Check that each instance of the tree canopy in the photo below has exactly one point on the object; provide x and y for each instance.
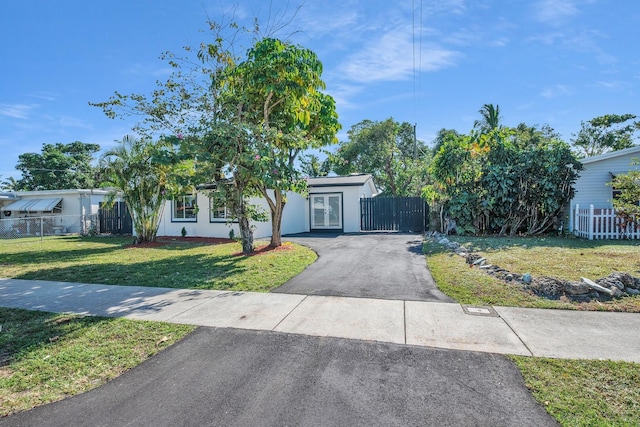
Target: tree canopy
(242, 121)
(517, 183)
(57, 167)
(389, 152)
(610, 132)
(134, 170)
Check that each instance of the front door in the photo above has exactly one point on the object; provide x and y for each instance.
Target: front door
(326, 211)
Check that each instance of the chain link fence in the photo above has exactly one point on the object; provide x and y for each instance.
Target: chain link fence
(52, 225)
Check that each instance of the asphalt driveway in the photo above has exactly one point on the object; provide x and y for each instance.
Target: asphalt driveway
(230, 377)
(366, 265)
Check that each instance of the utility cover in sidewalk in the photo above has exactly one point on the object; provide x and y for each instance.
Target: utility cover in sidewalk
(480, 311)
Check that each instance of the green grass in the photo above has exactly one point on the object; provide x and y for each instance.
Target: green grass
(46, 357)
(564, 258)
(109, 260)
(584, 393)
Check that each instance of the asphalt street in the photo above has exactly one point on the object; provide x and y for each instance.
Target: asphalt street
(367, 265)
(231, 377)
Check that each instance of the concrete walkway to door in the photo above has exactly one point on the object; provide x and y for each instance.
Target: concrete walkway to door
(387, 266)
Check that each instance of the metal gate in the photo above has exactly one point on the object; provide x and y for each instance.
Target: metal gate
(394, 214)
(116, 219)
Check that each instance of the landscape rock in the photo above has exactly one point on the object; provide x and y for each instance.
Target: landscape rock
(576, 288)
(619, 280)
(548, 287)
(593, 285)
(617, 293)
(472, 258)
(616, 285)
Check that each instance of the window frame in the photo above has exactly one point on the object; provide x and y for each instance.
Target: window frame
(185, 207)
(219, 220)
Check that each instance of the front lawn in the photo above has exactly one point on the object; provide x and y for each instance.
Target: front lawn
(563, 258)
(46, 357)
(175, 264)
(584, 392)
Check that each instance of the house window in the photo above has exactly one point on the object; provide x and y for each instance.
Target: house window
(184, 208)
(219, 213)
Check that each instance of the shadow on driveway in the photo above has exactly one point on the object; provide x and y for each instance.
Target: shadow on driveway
(365, 265)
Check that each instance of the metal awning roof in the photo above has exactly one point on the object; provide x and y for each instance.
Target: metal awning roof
(33, 205)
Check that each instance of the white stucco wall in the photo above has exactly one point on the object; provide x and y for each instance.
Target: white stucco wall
(293, 220)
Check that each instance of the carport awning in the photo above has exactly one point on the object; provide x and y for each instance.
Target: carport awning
(33, 205)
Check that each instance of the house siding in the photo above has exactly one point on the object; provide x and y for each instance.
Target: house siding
(591, 187)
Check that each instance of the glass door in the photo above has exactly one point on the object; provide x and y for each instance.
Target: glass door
(326, 211)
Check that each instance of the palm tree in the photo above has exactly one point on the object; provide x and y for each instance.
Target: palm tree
(490, 119)
(139, 180)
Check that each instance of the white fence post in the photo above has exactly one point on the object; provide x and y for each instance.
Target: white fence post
(591, 225)
(576, 221)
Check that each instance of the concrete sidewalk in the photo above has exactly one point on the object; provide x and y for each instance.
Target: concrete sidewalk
(505, 330)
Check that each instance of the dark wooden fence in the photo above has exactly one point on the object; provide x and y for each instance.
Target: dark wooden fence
(116, 219)
(394, 214)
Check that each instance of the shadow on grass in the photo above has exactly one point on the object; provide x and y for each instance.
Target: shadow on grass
(46, 251)
(26, 331)
(200, 271)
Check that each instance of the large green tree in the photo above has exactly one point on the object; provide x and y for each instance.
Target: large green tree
(389, 152)
(242, 120)
(58, 167)
(280, 87)
(518, 181)
(135, 169)
(606, 133)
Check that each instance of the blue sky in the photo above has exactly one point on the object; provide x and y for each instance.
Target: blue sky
(431, 62)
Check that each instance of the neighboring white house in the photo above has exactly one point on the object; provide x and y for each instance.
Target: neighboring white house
(62, 211)
(333, 204)
(591, 187)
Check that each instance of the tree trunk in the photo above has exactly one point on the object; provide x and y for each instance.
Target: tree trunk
(246, 234)
(276, 219)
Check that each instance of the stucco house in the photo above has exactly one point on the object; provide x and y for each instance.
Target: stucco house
(332, 204)
(594, 196)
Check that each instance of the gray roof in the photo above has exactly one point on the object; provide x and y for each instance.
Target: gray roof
(342, 181)
(611, 154)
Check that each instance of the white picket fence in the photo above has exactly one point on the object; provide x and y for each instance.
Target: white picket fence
(601, 223)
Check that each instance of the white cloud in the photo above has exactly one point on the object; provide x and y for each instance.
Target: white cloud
(555, 91)
(554, 12)
(45, 96)
(68, 121)
(390, 58)
(17, 111)
(457, 7)
(613, 85)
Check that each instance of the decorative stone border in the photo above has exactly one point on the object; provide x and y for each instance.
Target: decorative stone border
(615, 285)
